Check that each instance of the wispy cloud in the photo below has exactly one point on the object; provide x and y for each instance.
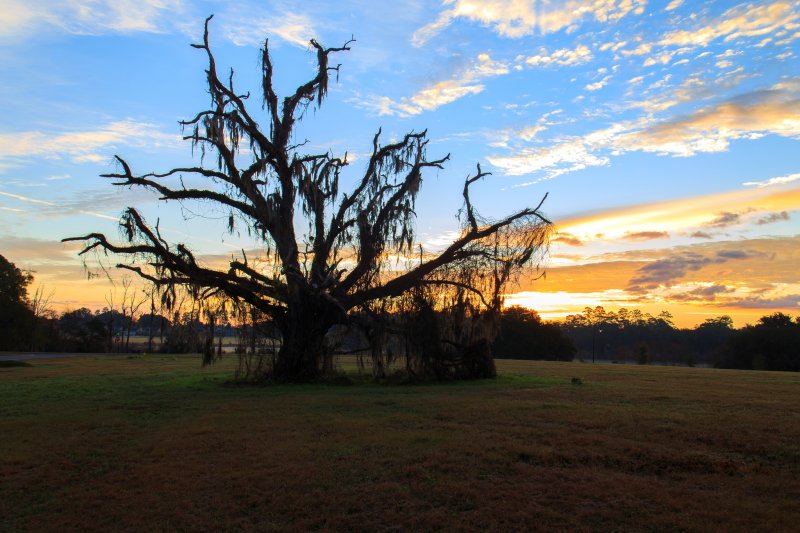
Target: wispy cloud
(502, 138)
(749, 116)
(773, 217)
(781, 180)
(702, 292)
(596, 86)
(438, 94)
(773, 111)
(516, 18)
(645, 235)
(726, 219)
(670, 269)
(556, 160)
(683, 215)
(55, 209)
(562, 157)
(565, 237)
(250, 29)
(744, 20)
(25, 198)
(85, 146)
(560, 57)
(244, 25)
(467, 81)
(81, 17)
(675, 4)
(790, 301)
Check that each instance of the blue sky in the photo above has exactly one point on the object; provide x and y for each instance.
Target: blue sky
(666, 133)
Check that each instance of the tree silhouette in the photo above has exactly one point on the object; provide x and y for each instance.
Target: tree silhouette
(523, 335)
(16, 317)
(345, 262)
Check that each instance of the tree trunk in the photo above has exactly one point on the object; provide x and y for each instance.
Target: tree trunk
(150, 333)
(208, 349)
(128, 334)
(303, 355)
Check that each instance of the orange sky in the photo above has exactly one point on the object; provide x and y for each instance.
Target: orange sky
(637, 256)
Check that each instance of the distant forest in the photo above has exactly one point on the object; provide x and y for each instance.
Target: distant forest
(627, 336)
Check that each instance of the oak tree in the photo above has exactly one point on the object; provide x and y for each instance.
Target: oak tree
(354, 258)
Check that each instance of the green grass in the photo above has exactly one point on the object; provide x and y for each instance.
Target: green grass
(108, 443)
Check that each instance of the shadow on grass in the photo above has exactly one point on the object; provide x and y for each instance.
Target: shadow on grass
(11, 364)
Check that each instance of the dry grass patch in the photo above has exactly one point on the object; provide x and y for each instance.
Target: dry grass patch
(158, 444)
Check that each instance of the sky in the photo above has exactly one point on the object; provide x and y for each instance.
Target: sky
(666, 134)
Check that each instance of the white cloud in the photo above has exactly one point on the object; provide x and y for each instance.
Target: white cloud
(675, 4)
(781, 180)
(712, 129)
(598, 84)
(568, 156)
(242, 25)
(83, 146)
(52, 208)
(775, 111)
(662, 58)
(467, 82)
(440, 93)
(24, 198)
(563, 57)
(642, 49)
(528, 133)
(251, 30)
(86, 17)
(745, 20)
(690, 89)
(516, 18)
(612, 46)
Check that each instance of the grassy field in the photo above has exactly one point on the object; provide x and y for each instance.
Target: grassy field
(159, 444)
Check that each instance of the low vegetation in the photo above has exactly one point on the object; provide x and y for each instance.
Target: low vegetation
(153, 443)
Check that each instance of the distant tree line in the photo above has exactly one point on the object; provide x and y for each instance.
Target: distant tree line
(633, 336)
(26, 324)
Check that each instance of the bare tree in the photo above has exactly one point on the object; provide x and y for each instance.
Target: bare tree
(358, 251)
(110, 320)
(151, 294)
(132, 300)
(40, 302)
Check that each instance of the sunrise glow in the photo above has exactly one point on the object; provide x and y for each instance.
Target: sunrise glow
(666, 134)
